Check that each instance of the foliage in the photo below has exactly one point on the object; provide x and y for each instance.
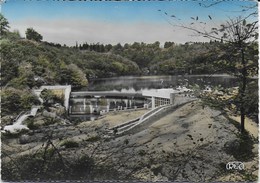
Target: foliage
(15, 101)
(70, 144)
(73, 75)
(13, 36)
(102, 102)
(251, 98)
(48, 97)
(31, 125)
(27, 64)
(4, 24)
(31, 34)
(236, 35)
(141, 152)
(36, 167)
(50, 121)
(9, 135)
(93, 139)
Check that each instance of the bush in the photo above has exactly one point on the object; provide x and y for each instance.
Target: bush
(34, 167)
(70, 144)
(93, 139)
(50, 121)
(82, 168)
(31, 125)
(142, 152)
(9, 135)
(15, 101)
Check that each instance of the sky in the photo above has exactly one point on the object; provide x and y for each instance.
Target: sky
(111, 22)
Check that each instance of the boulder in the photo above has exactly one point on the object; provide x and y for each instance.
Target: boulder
(49, 114)
(15, 128)
(24, 139)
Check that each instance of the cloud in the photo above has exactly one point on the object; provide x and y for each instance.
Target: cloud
(68, 31)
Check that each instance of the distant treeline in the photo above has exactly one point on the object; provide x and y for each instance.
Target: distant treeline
(52, 63)
(29, 62)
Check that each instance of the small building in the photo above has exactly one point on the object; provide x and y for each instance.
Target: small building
(160, 96)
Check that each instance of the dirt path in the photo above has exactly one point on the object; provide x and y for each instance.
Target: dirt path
(250, 125)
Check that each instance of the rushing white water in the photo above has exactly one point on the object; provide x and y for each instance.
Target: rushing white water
(34, 111)
(18, 126)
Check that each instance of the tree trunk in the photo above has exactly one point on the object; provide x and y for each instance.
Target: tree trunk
(242, 118)
(243, 90)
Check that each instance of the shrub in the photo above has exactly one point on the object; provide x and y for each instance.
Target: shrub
(31, 125)
(14, 135)
(70, 144)
(50, 121)
(93, 139)
(14, 101)
(142, 152)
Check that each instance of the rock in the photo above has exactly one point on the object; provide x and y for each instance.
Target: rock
(24, 139)
(39, 122)
(49, 114)
(218, 93)
(15, 128)
(255, 149)
(60, 110)
(255, 173)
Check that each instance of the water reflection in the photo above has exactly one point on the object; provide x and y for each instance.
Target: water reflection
(157, 82)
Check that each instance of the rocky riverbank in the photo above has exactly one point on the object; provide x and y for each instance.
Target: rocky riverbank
(191, 143)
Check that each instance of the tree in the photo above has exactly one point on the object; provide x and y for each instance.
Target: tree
(25, 76)
(13, 101)
(237, 37)
(73, 75)
(4, 24)
(31, 34)
(118, 48)
(108, 47)
(168, 44)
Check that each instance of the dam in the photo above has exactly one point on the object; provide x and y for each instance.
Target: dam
(100, 102)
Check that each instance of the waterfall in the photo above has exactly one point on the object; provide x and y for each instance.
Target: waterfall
(17, 126)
